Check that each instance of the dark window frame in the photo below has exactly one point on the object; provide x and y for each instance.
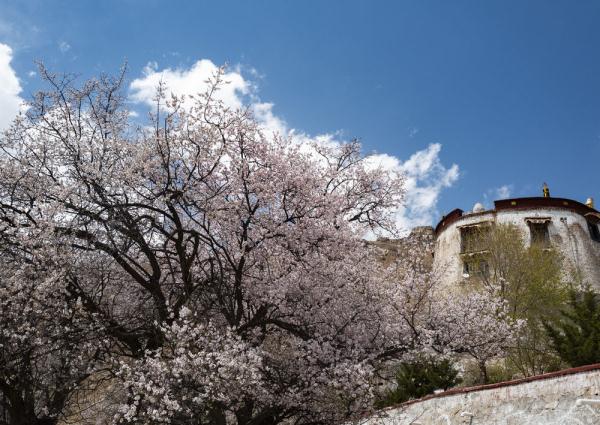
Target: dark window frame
(476, 267)
(473, 238)
(594, 231)
(539, 234)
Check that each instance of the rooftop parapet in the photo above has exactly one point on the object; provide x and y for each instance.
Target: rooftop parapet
(586, 211)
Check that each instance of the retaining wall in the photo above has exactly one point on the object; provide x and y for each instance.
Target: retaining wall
(570, 396)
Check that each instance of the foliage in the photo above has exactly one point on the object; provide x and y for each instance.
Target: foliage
(529, 279)
(217, 273)
(418, 378)
(497, 370)
(576, 335)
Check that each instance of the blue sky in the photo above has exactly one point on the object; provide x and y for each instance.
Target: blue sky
(508, 91)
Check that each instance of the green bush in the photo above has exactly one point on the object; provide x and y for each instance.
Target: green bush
(418, 378)
(576, 335)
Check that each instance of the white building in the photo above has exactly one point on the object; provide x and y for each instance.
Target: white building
(563, 224)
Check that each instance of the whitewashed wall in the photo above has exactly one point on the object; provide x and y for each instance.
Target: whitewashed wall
(568, 399)
(568, 233)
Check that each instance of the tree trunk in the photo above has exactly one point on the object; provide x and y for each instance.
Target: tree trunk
(217, 416)
(483, 375)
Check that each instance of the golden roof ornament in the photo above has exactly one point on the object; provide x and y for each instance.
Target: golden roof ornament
(590, 202)
(546, 190)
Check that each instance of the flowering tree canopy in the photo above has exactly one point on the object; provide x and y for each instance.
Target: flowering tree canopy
(217, 272)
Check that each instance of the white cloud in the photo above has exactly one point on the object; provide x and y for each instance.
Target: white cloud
(10, 88)
(263, 112)
(64, 47)
(425, 174)
(504, 192)
(190, 81)
(426, 177)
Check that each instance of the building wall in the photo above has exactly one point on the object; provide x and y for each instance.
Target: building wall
(567, 229)
(573, 398)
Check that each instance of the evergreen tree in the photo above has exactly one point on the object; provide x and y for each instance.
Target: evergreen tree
(576, 336)
(418, 378)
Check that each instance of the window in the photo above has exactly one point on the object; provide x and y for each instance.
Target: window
(539, 233)
(594, 231)
(475, 267)
(474, 238)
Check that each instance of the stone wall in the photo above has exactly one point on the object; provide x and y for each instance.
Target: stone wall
(571, 396)
(389, 250)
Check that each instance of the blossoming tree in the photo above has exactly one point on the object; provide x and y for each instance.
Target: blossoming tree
(218, 273)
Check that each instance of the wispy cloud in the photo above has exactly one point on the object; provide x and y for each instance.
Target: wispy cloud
(426, 176)
(64, 47)
(17, 29)
(502, 192)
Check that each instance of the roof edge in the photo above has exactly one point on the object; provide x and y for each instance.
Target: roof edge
(519, 204)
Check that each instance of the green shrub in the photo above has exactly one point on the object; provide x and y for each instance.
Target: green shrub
(576, 335)
(418, 378)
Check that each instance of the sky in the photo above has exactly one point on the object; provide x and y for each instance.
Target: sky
(473, 101)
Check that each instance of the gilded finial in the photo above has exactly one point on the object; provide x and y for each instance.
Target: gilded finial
(546, 190)
(590, 202)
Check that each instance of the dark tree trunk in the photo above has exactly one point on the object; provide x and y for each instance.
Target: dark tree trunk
(483, 375)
